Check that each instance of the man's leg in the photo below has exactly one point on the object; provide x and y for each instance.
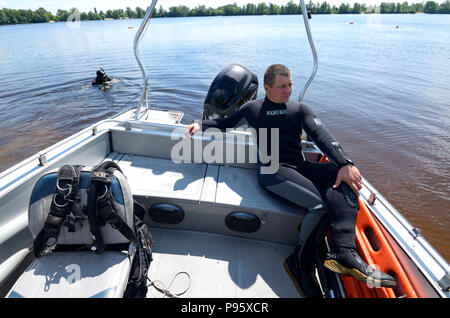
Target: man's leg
(341, 203)
(342, 206)
(308, 182)
(290, 185)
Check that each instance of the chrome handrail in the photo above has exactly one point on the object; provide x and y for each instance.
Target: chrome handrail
(137, 37)
(313, 49)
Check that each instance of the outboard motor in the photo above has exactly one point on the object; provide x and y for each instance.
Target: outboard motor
(233, 86)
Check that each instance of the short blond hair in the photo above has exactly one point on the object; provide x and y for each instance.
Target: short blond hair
(274, 70)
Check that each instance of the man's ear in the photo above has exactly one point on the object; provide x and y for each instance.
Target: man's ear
(266, 87)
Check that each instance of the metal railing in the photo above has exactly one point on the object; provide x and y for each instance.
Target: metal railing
(139, 33)
(313, 49)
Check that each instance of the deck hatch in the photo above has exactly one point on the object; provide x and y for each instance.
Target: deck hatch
(245, 222)
(166, 213)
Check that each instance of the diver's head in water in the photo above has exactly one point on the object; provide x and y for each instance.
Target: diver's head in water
(101, 77)
(100, 73)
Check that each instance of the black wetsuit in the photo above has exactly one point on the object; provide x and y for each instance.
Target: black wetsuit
(308, 184)
(101, 79)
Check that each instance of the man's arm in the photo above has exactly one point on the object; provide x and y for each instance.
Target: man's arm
(332, 149)
(221, 123)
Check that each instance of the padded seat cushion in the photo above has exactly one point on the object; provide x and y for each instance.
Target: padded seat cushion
(75, 275)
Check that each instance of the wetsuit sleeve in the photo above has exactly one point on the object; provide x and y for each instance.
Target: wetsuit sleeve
(225, 122)
(323, 138)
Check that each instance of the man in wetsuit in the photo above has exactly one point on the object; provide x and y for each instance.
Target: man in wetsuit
(101, 77)
(309, 184)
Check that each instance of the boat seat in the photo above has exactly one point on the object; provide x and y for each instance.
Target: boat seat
(41, 199)
(76, 275)
(212, 192)
(71, 270)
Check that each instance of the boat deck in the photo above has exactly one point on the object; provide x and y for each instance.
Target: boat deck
(207, 194)
(218, 266)
(220, 262)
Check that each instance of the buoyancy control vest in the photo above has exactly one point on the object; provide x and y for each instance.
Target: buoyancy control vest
(100, 208)
(64, 209)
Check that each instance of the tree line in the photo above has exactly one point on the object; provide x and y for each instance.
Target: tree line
(12, 16)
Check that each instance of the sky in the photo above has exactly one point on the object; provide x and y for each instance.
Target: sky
(88, 5)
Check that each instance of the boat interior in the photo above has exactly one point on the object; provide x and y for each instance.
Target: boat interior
(216, 231)
(219, 261)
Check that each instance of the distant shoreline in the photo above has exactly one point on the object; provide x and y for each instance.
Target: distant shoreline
(112, 19)
(26, 16)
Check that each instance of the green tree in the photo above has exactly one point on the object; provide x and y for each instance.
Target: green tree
(356, 8)
(310, 6)
(274, 9)
(179, 11)
(430, 7)
(11, 16)
(418, 7)
(250, 9)
(324, 8)
(344, 8)
(404, 7)
(161, 13)
(444, 8)
(24, 16)
(140, 13)
(3, 18)
(292, 8)
(62, 15)
(262, 8)
(130, 13)
(41, 15)
(93, 16)
(102, 15)
(118, 13)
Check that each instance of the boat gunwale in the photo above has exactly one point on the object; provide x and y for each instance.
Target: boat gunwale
(414, 245)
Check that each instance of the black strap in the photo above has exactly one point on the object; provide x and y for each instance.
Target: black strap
(101, 206)
(64, 197)
(108, 213)
(109, 164)
(97, 241)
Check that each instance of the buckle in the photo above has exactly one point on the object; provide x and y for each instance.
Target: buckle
(67, 190)
(100, 176)
(60, 206)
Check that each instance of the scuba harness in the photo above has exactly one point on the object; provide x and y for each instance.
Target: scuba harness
(74, 206)
(101, 206)
(102, 209)
(66, 208)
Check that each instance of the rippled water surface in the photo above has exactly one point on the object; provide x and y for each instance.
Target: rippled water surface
(384, 92)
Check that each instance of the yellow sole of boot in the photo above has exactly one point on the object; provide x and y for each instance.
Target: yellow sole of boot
(334, 266)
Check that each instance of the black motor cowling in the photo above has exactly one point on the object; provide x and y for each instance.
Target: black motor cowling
(233, 86)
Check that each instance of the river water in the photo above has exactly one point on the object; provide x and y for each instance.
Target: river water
(383, 91)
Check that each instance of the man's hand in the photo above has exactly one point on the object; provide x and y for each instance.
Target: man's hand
(191, 130)
(350, 175)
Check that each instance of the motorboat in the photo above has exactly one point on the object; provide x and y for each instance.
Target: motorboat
(216, 231)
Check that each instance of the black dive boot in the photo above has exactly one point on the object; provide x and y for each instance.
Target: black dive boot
(346, 261)
(302, 277)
